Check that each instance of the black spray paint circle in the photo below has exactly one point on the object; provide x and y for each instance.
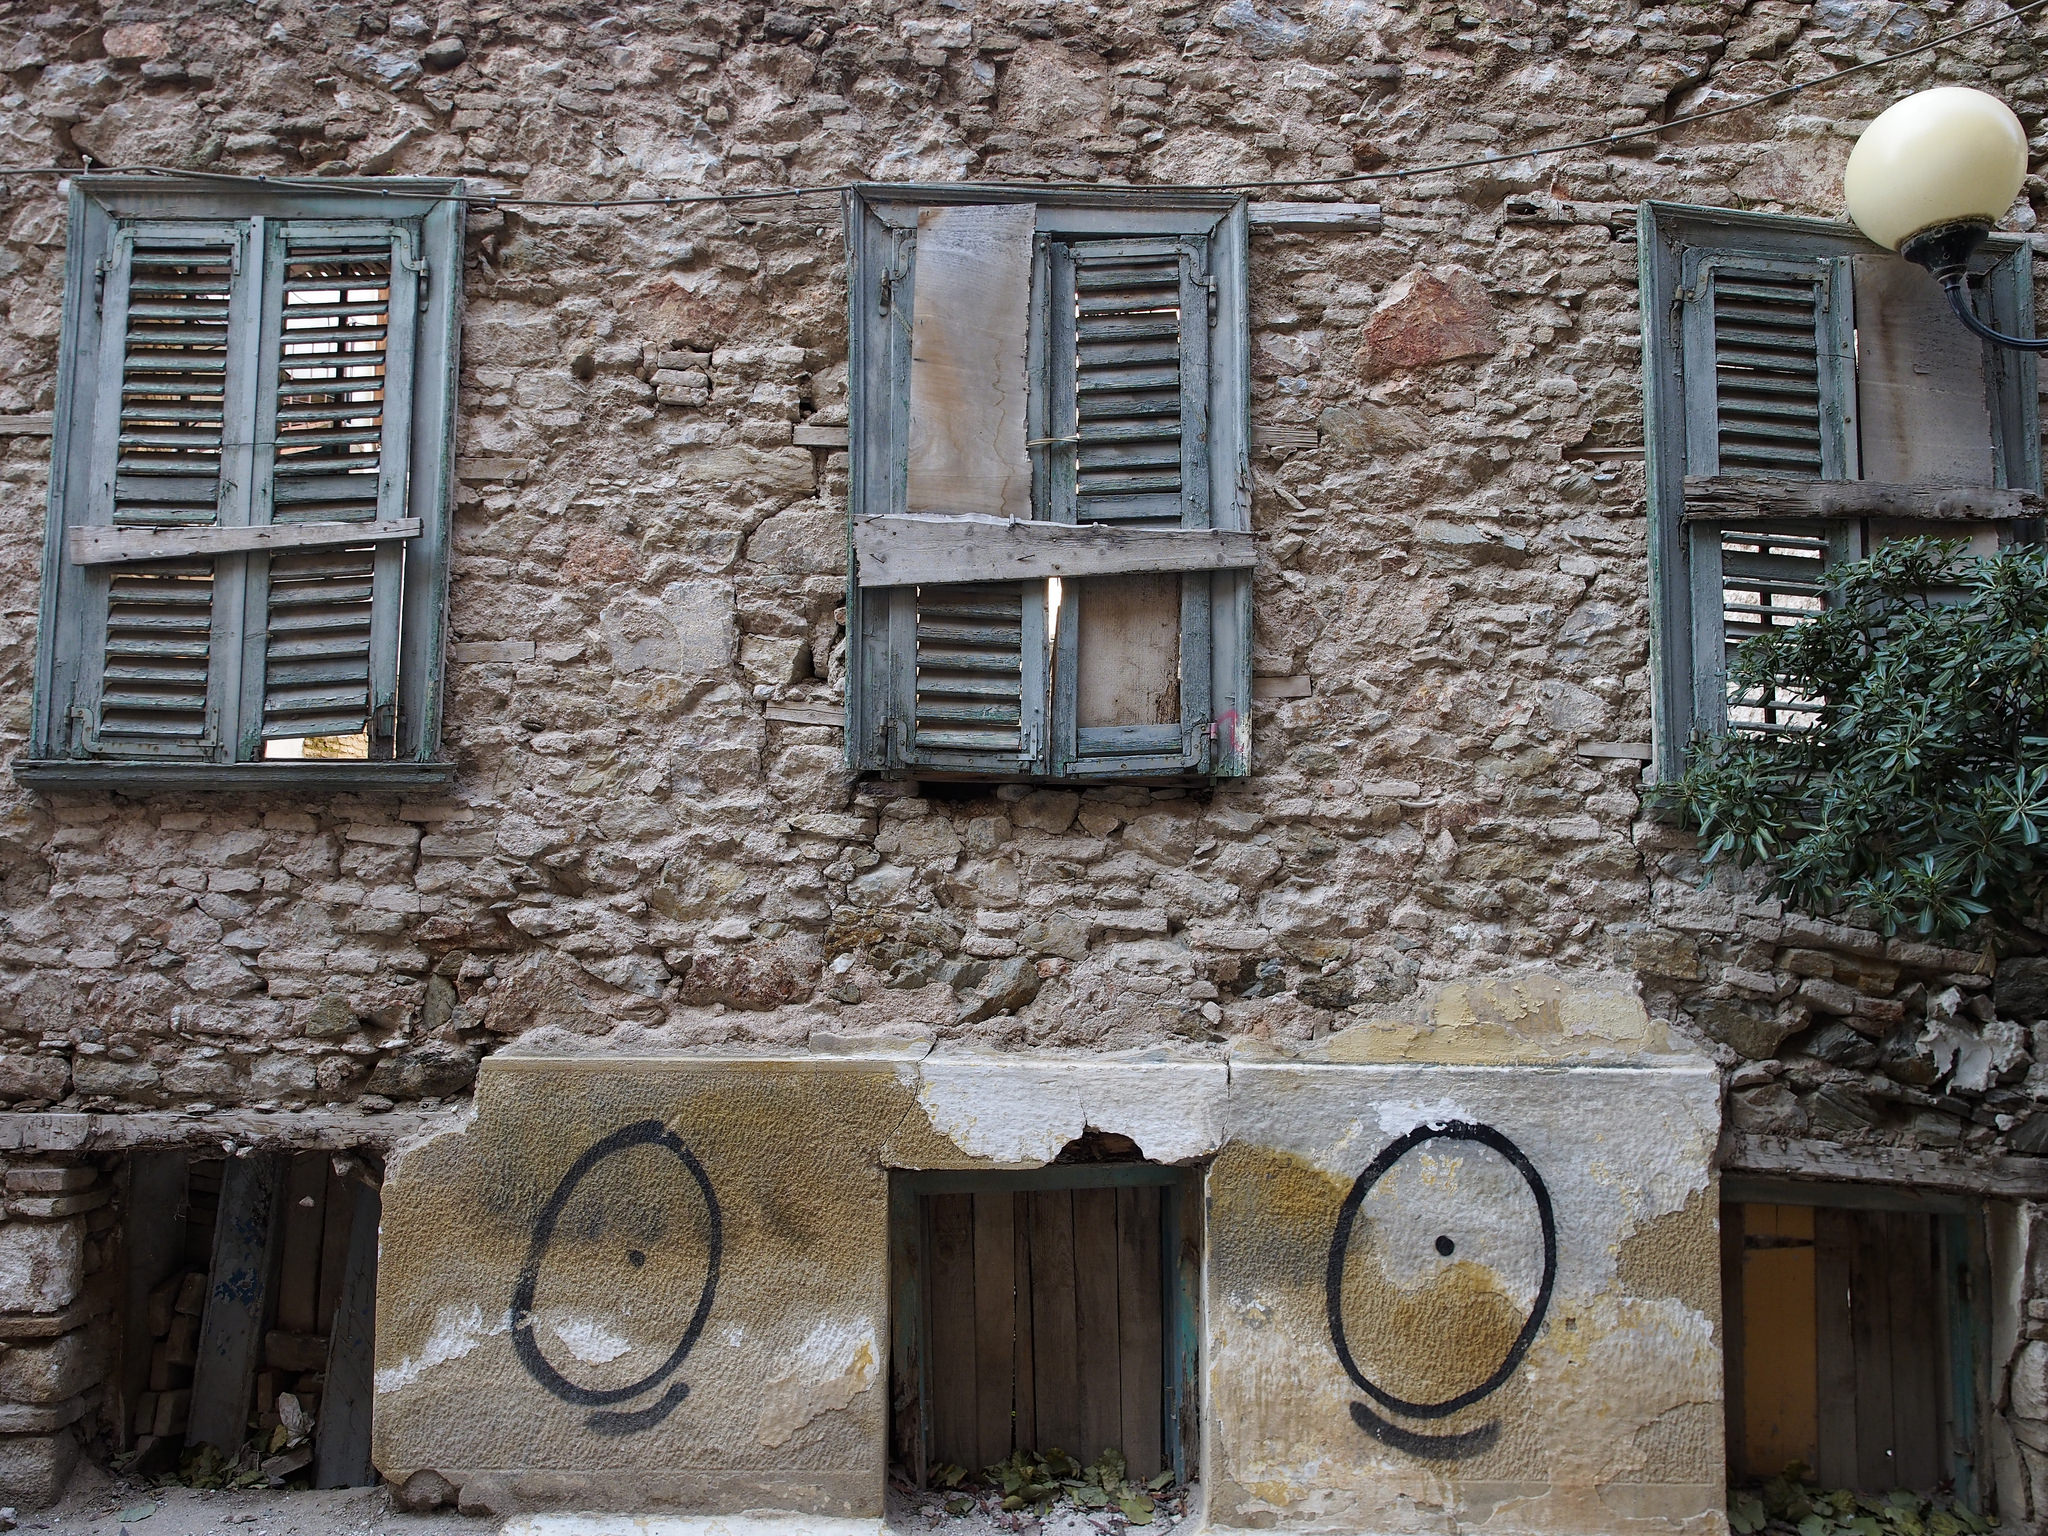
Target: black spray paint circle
(1340, 1247)
(644, 1133)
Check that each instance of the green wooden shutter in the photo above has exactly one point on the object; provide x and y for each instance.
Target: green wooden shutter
(1132, 369)
(1126, 390)
(334, 413)
(178, 309)
(1768, 354)
(969, 659)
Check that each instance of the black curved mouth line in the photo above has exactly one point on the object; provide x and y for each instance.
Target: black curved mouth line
(1471, 1442)
(616, 1421)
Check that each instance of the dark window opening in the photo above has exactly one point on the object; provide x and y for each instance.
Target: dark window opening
(1047, 1309)
(250, 1305)
(1854, 1345)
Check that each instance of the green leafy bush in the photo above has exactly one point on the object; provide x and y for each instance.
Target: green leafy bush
(1920, 791)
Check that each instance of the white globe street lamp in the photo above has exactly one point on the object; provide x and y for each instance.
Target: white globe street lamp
(1928, 179)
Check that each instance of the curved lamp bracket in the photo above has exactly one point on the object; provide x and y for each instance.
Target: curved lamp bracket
(1945, 252)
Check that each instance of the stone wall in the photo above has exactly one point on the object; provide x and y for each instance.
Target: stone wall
(651, 844)
(650, 837)
(59, 1288)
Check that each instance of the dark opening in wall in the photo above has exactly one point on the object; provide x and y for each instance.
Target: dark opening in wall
(250, 1301)
(1855, 1337)
(1051, 1308)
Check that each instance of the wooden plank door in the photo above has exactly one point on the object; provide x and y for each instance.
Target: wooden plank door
(1844, 1323)
(1043, 1326)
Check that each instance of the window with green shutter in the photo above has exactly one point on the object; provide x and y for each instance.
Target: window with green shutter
(1051, 570)
(245, 569)
(1807, 394)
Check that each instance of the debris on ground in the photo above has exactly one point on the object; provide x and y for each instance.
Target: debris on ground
(1047, 1492)
(1788, 1505)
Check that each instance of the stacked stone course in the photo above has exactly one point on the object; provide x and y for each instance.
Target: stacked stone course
(58, 1247)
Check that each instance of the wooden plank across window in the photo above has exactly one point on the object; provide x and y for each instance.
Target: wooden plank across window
(114, 546)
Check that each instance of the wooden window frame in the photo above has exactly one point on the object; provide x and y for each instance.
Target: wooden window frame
(881, 222)
(1674, 242)
(101, 208)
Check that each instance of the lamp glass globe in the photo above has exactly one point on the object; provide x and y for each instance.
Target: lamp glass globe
(1944, 156)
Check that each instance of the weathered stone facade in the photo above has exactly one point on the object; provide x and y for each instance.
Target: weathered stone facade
(650, 844)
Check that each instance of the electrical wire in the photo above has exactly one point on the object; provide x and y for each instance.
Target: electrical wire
(766, 194)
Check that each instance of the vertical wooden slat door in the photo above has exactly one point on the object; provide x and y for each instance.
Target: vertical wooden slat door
(1045, 1319)
(1844, 1319)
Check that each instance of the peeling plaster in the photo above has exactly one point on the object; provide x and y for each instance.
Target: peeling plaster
(834, 1365)
(1022, 1114)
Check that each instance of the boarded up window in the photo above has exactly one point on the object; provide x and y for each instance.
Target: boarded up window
(1034, 1315)
(1051, 556)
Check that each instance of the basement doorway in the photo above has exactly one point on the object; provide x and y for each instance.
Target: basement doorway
(1049, 1308)
(1856, 1337)
(248, 1318)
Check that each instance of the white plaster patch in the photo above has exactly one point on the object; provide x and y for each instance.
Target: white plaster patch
(1023, 1115)
(456, 1331)
(588, 1339)
(837, 1361)
(1398, 1117)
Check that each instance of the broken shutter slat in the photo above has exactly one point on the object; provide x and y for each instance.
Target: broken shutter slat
(117, 546)
(903, 550)
(968, 378)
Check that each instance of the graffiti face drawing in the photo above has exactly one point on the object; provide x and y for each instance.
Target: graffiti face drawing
(636, 1219)
(1441, 1271)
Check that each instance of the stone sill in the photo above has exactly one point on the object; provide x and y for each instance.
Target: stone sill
(301, 775)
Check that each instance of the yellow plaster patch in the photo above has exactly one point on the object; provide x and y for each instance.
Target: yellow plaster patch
(1508, 1021)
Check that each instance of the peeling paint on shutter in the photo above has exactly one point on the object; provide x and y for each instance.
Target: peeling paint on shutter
(1769, 368)
(336, 398)
(1127, 333)
(970, 668)
(175, 314)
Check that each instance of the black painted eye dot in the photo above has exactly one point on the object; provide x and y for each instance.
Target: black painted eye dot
(636, 1258)
(1446, 1247)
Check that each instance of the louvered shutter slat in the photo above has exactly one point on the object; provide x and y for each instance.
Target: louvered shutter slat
(177, 306)
(1127, 379)
(1768, 362)
(338, 340)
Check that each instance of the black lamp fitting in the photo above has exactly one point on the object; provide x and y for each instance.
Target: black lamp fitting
(1945, 251)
